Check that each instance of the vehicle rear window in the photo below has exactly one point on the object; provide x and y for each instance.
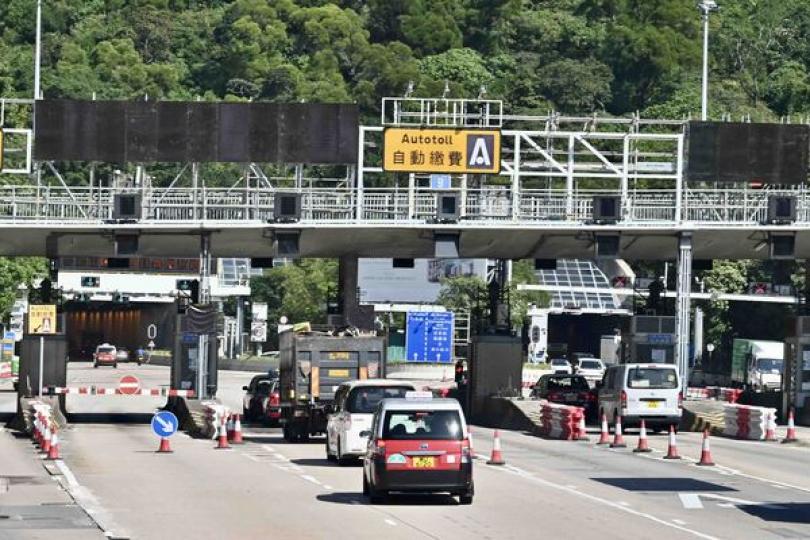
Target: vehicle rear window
(364, 400)
(420, 425)
(568, 383)
(559, 362)
(265, 387)
(105, 349)
(589, 364)
(655, 378)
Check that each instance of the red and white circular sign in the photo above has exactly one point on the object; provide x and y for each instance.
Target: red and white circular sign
(129, 384)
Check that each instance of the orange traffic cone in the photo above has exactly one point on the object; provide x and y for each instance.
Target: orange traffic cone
(237, 430)
(165, 447)
(496, 458)
(706, 451)
(38, 429)
(582, 433)
(672, 450)
(618, 439)
(53, 452)
(770, 429)
(222, 441)
(46, 439)
(790, 437)
(642, 439)
(604, 437)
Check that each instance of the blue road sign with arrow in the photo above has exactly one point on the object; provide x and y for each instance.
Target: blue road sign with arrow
(164, 424)
(429, 337)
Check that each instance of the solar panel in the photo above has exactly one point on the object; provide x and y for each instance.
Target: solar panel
(576, 273)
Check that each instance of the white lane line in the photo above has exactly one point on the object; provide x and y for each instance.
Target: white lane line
(391, 522)
(252, 458)
(326, 486)
(777, 486)
(679, 522)
(268, 448)
(528, 476)
(309, 478)
(690, 501)
(67, 473)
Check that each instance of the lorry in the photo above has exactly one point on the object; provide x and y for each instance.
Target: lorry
(312, 365)
(757, 364)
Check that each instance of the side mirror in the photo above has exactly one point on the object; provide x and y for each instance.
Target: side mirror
(244, 388)
(365, 433)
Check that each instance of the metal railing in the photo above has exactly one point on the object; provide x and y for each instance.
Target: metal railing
(490, 205)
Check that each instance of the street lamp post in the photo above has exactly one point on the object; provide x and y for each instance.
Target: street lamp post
(38, 51)
(705, 7)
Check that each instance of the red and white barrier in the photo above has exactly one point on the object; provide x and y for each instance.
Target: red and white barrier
(5, 370)
(215, 415)
(103, 391)
(747, 422)
(560, 421)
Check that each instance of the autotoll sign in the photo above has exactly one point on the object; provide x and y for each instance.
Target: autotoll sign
(442, 150)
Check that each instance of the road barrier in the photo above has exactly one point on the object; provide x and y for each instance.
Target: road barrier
(747, 422)
(719, 393)
(214, 417)
(106, 391)
(560, 421)
(44, 430)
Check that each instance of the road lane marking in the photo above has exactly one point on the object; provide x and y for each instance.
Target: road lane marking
(690, 501)
(528, 476)
(309, 478)
(330, 488)
(391, 522)
(679, 521)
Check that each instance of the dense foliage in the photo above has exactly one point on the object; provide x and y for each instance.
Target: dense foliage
(616, 56)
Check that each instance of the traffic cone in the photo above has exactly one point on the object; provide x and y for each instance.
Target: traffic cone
(672, 450)
(706, 451)
(496, 458)
(582, 431)
(229, 427)
(46, 439)
(35, 434)
(770, 430)
(642, 439)
(165, 447)
(618, 439)
(237, 430)
(222, 442)
(53, 452)
(604, 437)
(790, 437)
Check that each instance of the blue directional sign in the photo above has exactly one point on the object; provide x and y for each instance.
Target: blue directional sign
(440, 181)
(429, 337)
(164, 424)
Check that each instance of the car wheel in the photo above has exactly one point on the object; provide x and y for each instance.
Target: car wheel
(285, 432)
(376, 496)
(245, 413)
(115, 365)
(332, 458)
(365, 485)
(95, 366)
(465, 498)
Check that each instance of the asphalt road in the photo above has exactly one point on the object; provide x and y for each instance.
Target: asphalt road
(269, 488)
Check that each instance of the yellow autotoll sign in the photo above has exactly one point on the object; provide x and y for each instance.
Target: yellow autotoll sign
(442, 150)
(42, 319)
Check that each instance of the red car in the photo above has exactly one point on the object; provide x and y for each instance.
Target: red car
(105, 355)
(567, 390)
(262, 401)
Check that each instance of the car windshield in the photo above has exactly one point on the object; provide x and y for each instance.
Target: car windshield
(265, 387)
(568, 383)
(773, 365)
(106, 349)
(590, 364)
(364, 400)
(422, 425)
(655, 378)
(559, 362)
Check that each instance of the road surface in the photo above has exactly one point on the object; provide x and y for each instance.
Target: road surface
(268, 488)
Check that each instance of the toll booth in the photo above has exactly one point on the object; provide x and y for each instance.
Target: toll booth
(496, 368)
(649, 338)
(195, 358)
(796, 377)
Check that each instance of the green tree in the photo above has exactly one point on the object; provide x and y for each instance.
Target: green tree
(15, 272)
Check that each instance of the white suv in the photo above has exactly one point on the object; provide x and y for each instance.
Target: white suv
(560, 365)
(355, 403)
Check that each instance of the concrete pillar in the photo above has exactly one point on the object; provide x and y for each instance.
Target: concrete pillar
(352, 312)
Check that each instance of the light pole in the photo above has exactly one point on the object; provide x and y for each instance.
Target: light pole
(38, 51)
(705, 7)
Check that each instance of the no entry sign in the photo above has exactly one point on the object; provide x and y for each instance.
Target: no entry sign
(129, 384)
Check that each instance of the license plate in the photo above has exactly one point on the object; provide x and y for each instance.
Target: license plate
(338, 372)
(652, 404)
(423, 462)
(570, 397)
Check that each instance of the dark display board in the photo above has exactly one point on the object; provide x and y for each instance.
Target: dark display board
(732, 152)
(141, 131)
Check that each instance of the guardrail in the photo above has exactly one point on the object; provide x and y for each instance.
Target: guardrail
(491, 205)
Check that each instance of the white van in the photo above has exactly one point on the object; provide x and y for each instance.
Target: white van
(642, 391)
(355, 403)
